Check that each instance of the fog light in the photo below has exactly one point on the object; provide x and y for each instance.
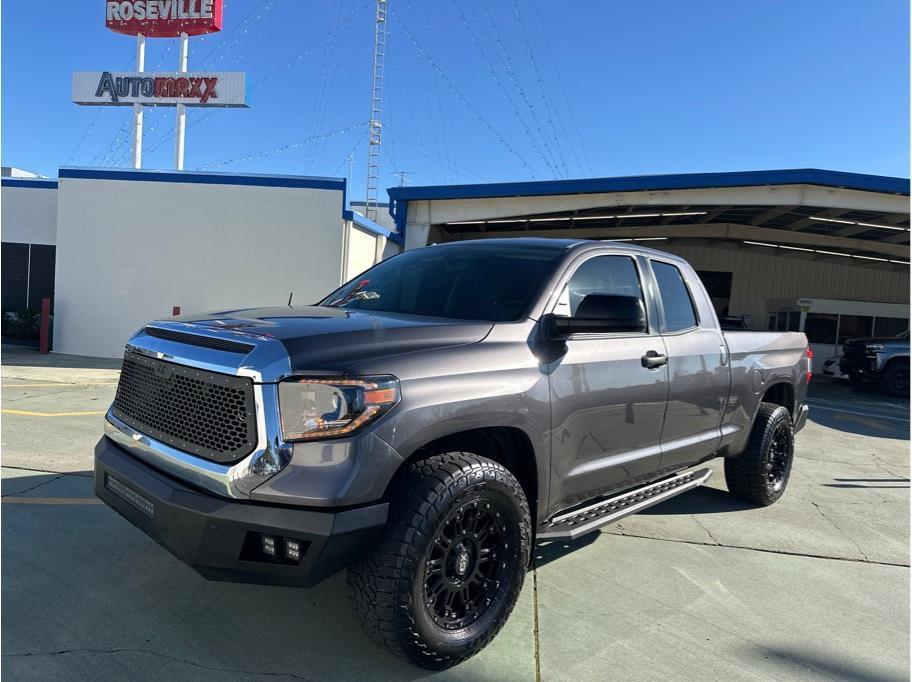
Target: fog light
(268, 545)
(292, 550)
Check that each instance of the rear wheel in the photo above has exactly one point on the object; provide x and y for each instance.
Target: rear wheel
(447, 573)
(895, 380)
(761, 473)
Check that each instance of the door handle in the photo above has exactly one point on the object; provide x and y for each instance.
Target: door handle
(652, 359)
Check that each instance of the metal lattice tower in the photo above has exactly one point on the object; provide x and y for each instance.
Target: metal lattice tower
(376, 126)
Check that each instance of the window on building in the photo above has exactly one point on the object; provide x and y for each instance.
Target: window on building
(890, 326)
(14, 266)
(820, 327)
(676, 302)
(853, 326)
(41, 275)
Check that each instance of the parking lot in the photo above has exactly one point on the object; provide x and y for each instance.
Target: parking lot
(701, 587)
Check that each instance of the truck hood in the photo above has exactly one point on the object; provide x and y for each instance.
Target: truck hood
(878, 339)
(322, 338)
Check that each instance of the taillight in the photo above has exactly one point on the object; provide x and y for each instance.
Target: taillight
(810, 358)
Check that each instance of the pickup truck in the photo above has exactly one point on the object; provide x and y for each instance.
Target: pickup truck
(883, 361)
(428, 422)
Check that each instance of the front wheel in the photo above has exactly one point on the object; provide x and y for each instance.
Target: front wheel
(446, 575)
(761, 473)
(895, 380)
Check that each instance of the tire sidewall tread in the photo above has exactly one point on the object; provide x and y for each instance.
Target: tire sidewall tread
(382, 584)
(745, 475)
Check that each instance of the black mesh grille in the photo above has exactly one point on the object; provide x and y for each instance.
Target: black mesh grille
(204, 341)
(203, 413)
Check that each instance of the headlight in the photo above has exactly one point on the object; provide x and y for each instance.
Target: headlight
(322, 408)
(874, 347)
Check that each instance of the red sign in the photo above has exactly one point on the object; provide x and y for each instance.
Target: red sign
(164, 18)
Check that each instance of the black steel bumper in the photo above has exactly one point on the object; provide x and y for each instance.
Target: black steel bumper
(220, 537)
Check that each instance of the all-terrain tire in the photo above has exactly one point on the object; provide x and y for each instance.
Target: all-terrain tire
(392, 588)
(761, 473)
(895, 381)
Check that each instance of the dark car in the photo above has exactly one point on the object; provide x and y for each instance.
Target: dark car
(883, 361)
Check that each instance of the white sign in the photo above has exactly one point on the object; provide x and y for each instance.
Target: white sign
(194, 89)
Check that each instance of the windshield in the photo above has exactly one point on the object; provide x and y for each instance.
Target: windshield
(465, 282)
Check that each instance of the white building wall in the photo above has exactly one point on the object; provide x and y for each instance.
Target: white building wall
(129, 250)
(364, 250)
(759, 279)
(28, 214)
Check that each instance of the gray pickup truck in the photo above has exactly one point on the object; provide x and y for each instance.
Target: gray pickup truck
(428, 422)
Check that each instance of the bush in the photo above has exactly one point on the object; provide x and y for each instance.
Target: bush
(24, 325)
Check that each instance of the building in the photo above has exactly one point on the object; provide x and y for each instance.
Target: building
(117, 248)
(822, 252)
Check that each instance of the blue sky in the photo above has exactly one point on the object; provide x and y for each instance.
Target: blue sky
(488, 90)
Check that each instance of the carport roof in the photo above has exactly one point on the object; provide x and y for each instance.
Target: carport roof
(809, 213)
(640, 183)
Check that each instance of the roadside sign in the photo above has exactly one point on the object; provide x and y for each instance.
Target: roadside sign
(193, 89)
(163, 18)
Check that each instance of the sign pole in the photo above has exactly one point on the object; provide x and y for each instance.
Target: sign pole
(138, 108)
(181, 109)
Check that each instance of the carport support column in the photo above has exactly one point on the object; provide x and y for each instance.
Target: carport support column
(138, 108)
(416, 235)
(181, 109)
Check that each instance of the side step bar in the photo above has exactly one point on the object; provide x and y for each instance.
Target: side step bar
(581, 521)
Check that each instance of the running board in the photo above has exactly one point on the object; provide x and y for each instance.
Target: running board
(581, 521)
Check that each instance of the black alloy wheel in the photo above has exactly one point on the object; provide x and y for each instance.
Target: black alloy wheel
(446, 574)
(761, 472)
(779, 456)
(463, 570)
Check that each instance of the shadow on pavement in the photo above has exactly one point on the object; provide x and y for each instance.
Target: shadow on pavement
(550, 550)
(87, 595)
(863, 411)
(19, 356)
(833, 667)
(702, 500)
(860, 424)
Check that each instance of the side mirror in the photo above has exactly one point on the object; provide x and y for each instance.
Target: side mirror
(601, 314)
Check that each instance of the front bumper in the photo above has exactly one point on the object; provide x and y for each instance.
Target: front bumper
(219, 537)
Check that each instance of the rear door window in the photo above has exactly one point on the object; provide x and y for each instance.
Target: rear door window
(678, 306)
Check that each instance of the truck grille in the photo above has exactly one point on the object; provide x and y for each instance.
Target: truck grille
(206, 414)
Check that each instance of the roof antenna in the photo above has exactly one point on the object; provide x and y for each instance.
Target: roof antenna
(290, 296)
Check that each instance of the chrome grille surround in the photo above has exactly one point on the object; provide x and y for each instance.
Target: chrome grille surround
(265, 364)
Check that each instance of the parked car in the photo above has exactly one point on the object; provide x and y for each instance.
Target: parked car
(831, 367)
(881, 361)
(431, 420)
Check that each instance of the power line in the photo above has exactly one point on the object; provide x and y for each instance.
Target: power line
(506, 94)
(563, 88)
(517, 83)
(434, 158)
(272, 151)
(478, 117)
(546, 100)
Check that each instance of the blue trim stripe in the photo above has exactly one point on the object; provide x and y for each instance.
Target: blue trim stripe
(31, 183)
(400, 196)
(197, 177)
(371, 226)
